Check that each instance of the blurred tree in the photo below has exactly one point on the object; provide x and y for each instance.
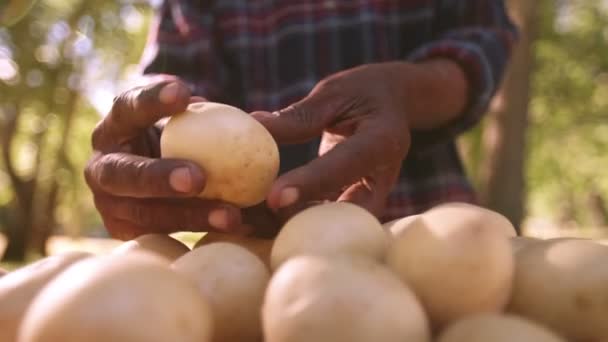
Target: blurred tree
(502, 178)
(47, 62)
(569, 111)
(561, 66)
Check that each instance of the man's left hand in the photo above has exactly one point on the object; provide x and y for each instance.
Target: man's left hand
(362, 116)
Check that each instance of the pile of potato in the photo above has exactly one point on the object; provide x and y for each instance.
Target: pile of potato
(334, 273)
(455, 273)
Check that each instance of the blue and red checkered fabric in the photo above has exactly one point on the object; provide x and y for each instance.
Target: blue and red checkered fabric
(267, 54)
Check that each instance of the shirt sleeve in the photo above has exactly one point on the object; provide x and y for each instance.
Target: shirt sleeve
(181, 45)
(479, 36)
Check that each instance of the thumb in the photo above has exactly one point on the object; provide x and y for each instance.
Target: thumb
(301, 121)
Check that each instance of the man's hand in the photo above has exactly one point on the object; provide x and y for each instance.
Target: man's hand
(364, 116)
(134, 190)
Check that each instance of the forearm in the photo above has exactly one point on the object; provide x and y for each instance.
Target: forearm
(437, 92)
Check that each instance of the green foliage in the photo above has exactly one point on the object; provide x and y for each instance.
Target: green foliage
(568, 138)
(52, 64)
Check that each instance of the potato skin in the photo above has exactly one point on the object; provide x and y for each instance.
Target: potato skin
(519, 243)
(18, 288)
(239, 156)
(563, 284)
(497, 328)
(456, 269)
(233, 280)
(260, 247)
(473, 215)
(133, 297)
(161, 244)
(337, 228)
(340, 299)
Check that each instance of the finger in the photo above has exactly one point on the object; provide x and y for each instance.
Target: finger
(368, 150)
(264, 221)
(163, 121)
(127, 175)
(167, 215)
(137, 109)
(372, 192)
(124, 230)
(368, 195)
(195, 99)
(306, 119)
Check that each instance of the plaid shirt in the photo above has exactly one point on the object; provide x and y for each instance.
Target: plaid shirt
(267, 54)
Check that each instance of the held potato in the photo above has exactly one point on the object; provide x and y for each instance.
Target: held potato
(336, 228)
(18, 289)
(233, 280)
(260, 247)
(497, 328)
(563, 284)
(133, 297)
(239, 156)
(456, 269)
(342, 299)
(161, 244)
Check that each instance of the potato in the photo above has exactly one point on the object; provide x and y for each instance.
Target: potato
(520, 242)
(18, 288)
(132, 297)
(239, 156)
(342, 299)
(456, 269)
(260, 247)
(563, 284)
(472, 215)
(397, 226)
(233, 280)
(497, 328)
(335, 228)
(161, 244)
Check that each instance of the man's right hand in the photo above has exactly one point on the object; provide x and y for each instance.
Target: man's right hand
(135, 191)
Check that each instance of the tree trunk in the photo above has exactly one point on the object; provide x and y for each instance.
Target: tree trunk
(598, 209)
(503, 187)
(19, 217)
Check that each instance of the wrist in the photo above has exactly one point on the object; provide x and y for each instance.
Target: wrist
(435, 91)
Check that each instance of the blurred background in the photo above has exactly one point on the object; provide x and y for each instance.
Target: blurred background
(539, 157)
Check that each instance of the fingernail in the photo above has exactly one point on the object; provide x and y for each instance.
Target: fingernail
(288, 197)
(168, 94)
(265, 115)
(218, 218)
(180, 180)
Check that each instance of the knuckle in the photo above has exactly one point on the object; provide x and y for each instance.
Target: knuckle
(150, 177)
(88, 174)
(106, 172)
(300, 114)
(194, 219)
(98, 137)
(332, 84)
(122, 105)
(139, 214)
(102, 205)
